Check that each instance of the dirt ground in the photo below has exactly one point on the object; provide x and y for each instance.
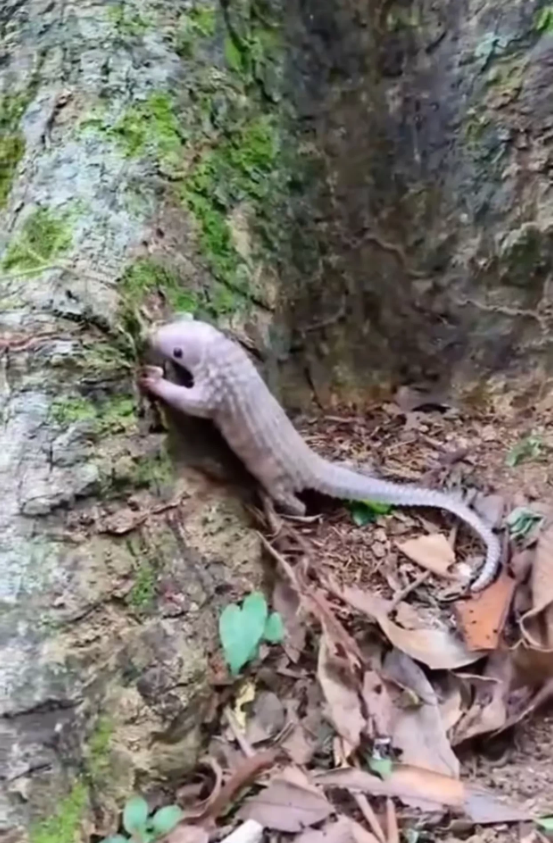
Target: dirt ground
(445, 447)
(346, 688)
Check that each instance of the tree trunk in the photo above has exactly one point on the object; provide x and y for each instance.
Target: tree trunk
(362, 189)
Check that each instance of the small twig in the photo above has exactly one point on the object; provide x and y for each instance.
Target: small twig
(240, 737)
(249, 832)
(319, 324)
(284, 564)
(391, 822)
(364, 806)
(371, 237)
(401, 595)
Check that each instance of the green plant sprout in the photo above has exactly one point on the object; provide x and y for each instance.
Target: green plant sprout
(366, 512)
(243, 629)
(143, 827)
(530, 447)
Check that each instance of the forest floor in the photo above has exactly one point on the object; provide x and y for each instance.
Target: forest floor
(397, 707)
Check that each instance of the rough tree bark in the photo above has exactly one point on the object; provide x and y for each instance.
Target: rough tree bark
(361, 188)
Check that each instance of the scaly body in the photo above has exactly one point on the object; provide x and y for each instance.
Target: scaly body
(229, 390)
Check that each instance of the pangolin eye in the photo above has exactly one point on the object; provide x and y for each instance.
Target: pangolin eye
(177, 352)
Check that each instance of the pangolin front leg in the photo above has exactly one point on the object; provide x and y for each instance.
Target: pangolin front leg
(195, 400)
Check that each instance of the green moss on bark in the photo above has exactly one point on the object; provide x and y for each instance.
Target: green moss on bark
(44, 237)
(63, 825)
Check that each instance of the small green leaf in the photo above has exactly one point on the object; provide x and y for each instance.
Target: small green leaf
(233, 55)
(234, 638)
(521, 521)
(365, 512)
(256, 611)
(528, 448)
(544, 19)
(241, 630)
(381, 766)
(274, 629)
(135, 815)
(546, 823)
(166, 819)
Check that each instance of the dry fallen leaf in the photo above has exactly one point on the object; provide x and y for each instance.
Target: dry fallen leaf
(540, 635)
(434, 553)
(482, 617)
(343, 830)
(268, 718)
(244, 774)
(437, 648)
(287, 603)
(246, 694)
(341, 695)
(287, 806)
(544, 694)
(490, 508)
(378, 704)
(451, 701)
(211, 776)
(427, 791)
(488, 711)
(418, 730)
(391, 822)
(338, 831)
(521, 563)
(299, 743)
(409, 398)
(407, 616)
(187, 834)
(361, 835)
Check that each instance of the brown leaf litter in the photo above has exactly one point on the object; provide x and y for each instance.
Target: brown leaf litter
(367, 723)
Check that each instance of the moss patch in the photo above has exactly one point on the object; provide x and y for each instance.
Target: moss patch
(98, 749)
(63, 825)
(128, 21)
(106, 358)
(44, 237)
(12, 148)
(12, 142)
(66, 411)
(146, 276)
(156, 470)
(242, 165)
(151, 127)
(192, 26)
(143, 592)
(116, 415)
(543, 21)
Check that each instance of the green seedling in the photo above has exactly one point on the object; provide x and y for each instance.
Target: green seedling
(143, 827)
(529, 448)
(366, 512)
(243, 629)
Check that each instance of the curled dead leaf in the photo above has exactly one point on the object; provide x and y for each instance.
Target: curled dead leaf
(427, 791)
(482, 617)
(341, 695)
(287, 805)
(488, 711)
(418, 731)
(378, 704)
(343, 830)
(434, 553)
(245, 773)
(439, 649)
(540, 635)
(187, 834)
